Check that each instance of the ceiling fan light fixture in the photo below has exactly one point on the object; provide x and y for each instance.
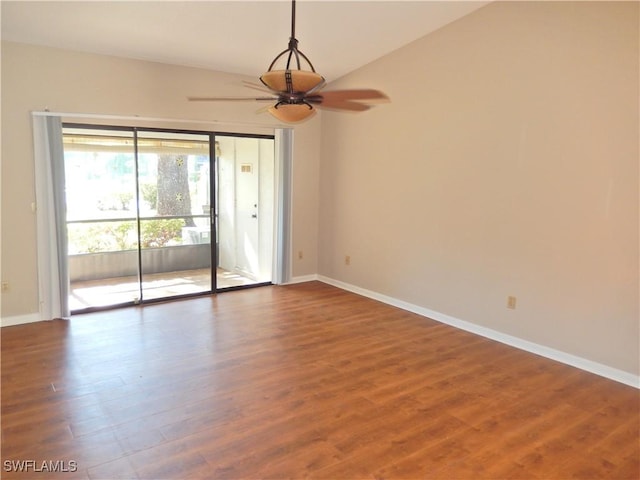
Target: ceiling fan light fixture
(295, 87)
(292, 112)
(292, 81)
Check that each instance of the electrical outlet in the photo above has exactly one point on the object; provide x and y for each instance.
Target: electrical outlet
(511, 302)
(300, 255)
(347, 260)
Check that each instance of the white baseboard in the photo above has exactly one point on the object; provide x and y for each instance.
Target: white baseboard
(20, 319)
(302, 279)
(553, 354)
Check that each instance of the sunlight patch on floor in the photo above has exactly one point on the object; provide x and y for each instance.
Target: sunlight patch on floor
(114, 291)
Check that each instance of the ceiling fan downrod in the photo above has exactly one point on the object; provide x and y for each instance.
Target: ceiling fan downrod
(292, 48)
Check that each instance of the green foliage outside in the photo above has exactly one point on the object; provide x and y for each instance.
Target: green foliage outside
(158, 233)
(93, 238)
(119, 233)
(149, 192)
(117, 236)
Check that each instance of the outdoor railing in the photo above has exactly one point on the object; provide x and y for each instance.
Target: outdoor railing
(114, 252)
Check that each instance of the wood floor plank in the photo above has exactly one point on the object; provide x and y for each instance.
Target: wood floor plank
(301, 381)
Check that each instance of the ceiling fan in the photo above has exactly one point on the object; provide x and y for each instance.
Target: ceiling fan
(297, 92)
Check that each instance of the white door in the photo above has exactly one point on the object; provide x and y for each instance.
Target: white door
(247, 206)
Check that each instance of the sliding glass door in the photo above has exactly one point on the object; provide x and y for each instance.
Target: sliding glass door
(154, 214)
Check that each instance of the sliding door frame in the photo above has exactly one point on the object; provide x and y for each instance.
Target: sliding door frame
(213, 162)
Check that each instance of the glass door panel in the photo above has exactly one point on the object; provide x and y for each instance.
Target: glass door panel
(174, 206)
(245, 210)
(100, 178)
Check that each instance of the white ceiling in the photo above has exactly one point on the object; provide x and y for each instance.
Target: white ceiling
(231, 36)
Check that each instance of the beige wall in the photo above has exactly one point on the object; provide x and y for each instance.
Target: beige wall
(35, 78)
(505, 164)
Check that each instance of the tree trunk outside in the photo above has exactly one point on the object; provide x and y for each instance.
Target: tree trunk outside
(173, 187)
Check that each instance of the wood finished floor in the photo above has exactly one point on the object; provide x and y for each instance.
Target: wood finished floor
(302, 381)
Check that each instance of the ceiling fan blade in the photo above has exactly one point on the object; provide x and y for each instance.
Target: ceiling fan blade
(232, 99)
(340, 105)
(255, 86)
(317, 88)
(264, 109)
(356, 94)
